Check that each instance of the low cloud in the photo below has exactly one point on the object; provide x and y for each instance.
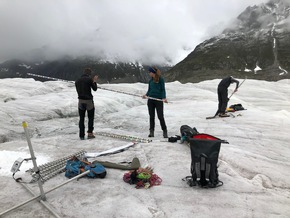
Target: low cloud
(162, 31)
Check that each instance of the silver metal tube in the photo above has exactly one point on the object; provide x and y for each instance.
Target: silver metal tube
(32, 199)
(24, 124)
(74, 178)
(44, 203)
(238, 87)
(127, 93)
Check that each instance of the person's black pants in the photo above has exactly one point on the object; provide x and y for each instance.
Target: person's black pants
(223, 100)
(83, 108)
(158, 105)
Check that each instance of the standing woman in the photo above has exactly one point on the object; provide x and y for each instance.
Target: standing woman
(156, 89)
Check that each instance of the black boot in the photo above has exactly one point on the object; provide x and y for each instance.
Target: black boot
(165, 134)
(151, 134)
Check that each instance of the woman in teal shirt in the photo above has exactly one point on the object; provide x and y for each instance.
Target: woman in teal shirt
(156, 90)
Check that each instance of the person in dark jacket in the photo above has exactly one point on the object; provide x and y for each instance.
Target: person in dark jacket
(156, 89)
(223, 94)
(84, 85)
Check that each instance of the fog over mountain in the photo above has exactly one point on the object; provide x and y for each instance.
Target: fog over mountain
(147, 31)
(255, 45)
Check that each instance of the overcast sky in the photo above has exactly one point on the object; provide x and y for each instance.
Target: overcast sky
(160, 31)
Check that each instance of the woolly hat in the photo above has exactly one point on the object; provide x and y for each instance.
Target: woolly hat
(152, 70)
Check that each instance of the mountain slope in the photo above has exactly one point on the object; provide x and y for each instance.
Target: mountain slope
(71, 69)
(257, 45)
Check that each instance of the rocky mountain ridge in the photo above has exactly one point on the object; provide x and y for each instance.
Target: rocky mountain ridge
(71, 69)
(256, 46)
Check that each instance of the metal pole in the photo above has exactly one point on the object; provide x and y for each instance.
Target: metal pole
(24, 124)
(56, 79)
(44, 203)
(238, 87)
(32, 199)
(64, 183)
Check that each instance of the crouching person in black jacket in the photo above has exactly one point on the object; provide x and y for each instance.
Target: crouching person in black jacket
(223, 94)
